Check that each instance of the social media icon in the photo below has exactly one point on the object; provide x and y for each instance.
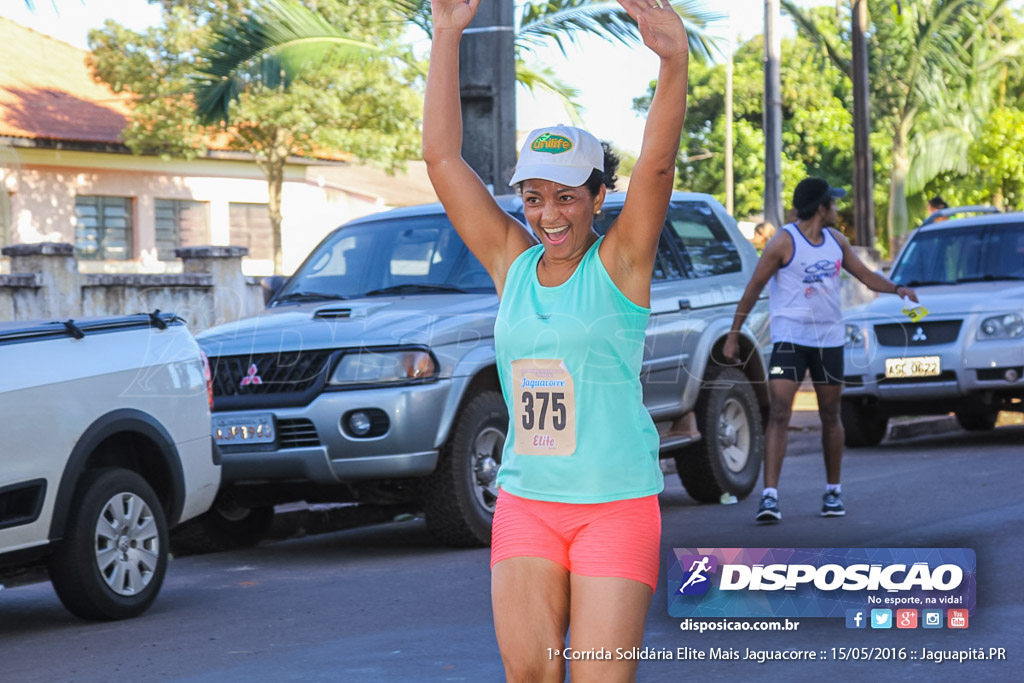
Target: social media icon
(957, 618)
(906, 618)
(931, 618)
(856, 618)
(881, 618)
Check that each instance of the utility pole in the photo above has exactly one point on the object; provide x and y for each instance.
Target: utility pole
(729, 183)
(487, 74)
(773, 210)
(863, 166)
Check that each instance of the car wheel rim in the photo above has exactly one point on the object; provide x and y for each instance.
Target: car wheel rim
(127, 544)
(734, 435)
(486, 458)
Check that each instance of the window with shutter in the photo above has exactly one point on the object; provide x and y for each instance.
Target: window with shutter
(180, 223)
(250, 227)
(104, 228)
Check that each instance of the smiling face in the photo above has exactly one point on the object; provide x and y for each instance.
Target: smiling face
(561, 216)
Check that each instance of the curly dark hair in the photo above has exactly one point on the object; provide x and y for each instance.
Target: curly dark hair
(606, 177)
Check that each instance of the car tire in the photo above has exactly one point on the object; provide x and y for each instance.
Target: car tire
(727, 459)
(864, 426)
(226, 525)
(113, 557)
(460, 495)
(977, 420)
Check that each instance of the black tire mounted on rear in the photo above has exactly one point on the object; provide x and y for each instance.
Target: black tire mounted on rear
(458, 502)
(704, 468)
(864, 426)
(74, 565)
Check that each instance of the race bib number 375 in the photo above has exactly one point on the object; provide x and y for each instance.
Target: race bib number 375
(544, 406)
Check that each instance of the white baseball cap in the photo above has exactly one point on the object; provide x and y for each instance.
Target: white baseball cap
(561, 154)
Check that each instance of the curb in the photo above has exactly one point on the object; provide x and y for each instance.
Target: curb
(924, 426)
(295, 520)
(906, 428)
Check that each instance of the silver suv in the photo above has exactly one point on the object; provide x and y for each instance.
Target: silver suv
(371, 375)
(966, 355)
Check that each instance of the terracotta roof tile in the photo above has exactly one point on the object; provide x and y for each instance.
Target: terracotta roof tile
(47, 91)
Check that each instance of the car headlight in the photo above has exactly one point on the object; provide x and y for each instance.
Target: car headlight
(854, 336)
(379, 367)
(1008, 326)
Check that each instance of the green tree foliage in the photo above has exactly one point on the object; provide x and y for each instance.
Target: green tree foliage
(817, 132)
(370, 109)
(539, 22)
(934, 67)
(998, 153)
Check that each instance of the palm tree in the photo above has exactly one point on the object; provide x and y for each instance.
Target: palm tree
(922, 53)
(297, 36)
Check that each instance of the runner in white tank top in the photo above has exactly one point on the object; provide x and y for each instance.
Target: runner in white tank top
(803, 296)
(803, 264)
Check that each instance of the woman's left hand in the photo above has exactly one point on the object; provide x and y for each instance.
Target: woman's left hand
(660, 26)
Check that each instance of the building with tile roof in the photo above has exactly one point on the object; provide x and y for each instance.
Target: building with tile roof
(66, 176)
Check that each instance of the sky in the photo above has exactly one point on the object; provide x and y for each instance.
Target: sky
(609, 75)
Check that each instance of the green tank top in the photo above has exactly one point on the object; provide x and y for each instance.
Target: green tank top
(569, 360)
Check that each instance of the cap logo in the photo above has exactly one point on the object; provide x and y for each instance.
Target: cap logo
(550, 143)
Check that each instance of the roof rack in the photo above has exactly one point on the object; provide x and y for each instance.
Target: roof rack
(79, 329)
(943, 214)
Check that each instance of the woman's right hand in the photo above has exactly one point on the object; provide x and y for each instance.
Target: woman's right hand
(453, 14)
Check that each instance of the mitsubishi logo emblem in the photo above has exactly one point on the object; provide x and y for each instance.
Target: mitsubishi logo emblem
(252, 377)
(920, 336)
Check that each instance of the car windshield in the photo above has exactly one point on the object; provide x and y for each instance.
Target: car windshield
(417, 255)
(955, 255)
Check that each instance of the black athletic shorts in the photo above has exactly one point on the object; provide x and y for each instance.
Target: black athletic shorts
(792, 361)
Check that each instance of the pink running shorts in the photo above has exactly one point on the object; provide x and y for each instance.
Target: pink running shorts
(621, 538)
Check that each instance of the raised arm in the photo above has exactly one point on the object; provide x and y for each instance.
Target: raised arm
(634, 236)
(493, 236)
(872, 280)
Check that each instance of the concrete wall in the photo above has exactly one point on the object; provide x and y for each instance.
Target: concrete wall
(44, 283)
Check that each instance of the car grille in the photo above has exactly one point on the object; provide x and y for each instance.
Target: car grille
(918, 334)
(296, 433)
(268, 373)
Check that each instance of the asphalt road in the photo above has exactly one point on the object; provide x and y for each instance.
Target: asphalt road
(386, 603)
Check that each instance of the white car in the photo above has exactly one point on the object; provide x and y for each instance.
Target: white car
(966, 355)
(106, 444)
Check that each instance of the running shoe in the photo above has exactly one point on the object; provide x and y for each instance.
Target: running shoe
(768, 511)
(832, 505)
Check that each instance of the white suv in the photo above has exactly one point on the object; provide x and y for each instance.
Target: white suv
(966, 355)
(106, 444)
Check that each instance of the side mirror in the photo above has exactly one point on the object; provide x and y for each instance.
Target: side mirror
(271, 286)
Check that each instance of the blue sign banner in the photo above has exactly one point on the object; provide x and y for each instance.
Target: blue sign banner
(817, 582)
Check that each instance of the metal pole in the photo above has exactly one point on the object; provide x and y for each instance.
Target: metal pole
(773, 210)
(487, 74)
(863, 166)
